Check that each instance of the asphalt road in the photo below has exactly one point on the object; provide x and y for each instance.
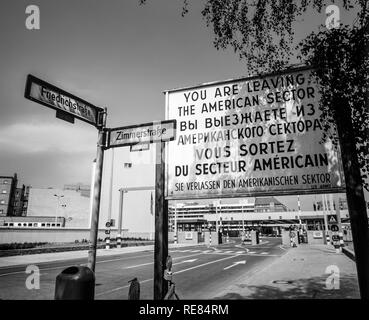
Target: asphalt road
(199, 272)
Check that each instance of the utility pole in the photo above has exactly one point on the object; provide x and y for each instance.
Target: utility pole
(325, 220)
(120, 217)
(97, 195)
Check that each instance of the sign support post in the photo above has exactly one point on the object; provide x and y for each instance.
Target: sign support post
(161, 225)
(96, 196)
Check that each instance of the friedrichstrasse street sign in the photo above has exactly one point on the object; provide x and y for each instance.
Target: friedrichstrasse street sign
(144, 133)
(50, 96)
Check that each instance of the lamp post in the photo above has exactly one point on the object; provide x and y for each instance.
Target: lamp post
(57, 207)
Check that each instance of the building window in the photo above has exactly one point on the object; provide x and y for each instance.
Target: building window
(4, 191)
(11, 224)
(2, 202)
(48, 225)
(58, 224)
(35, 224)
(5, 182)
(19, 224)
(42, 224)
(53, 225)
(127, 165)
(5, 224)
(24, 224)
(1, 211)
(30, 224)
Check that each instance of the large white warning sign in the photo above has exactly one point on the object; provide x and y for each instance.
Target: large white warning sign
(260, 135)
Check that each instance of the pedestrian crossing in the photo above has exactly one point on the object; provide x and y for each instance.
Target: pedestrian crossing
(220, 251)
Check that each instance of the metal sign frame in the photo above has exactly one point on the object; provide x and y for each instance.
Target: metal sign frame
(174, 122)
(257, 193)
(32, 79)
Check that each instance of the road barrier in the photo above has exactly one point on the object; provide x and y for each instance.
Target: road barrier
(175, 238)
(75, 283)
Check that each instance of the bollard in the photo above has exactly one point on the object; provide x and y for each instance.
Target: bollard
(107, 243)
(327, 238)
(210, 238)
(75, 283)
(175, 238)
(119, 241)
(342, 243)
(134, 290)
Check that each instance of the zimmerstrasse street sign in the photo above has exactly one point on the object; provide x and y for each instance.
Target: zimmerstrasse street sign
(141, 134)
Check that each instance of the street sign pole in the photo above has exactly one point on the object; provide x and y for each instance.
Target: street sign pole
(96, 195)
(161, 225)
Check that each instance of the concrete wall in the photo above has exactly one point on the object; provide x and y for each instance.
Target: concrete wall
(61, 235)
(214, 238)
(191, 237)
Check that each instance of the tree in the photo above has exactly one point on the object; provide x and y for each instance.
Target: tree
(261, 32)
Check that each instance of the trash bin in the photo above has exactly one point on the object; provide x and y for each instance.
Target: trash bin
(75, 283)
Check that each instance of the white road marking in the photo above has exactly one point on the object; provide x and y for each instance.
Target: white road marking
(251, 252)
(235, 264)
(264, 253)
(207, 251)
(240, 252)
(181, 271)
(230, 251)
(152, 262)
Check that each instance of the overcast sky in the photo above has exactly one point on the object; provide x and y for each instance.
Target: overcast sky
(114, 54)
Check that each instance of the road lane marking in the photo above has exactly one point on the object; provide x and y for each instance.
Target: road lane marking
(66, 266)
(235, 264)
(174, 273)
(119, 288)
(230, 251)
(264, 253)
(148, 263)
(240, 252)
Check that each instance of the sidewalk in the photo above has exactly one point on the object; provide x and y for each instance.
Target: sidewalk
(69, 255)
(298, 274)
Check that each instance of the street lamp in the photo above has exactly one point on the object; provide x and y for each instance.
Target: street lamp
(57, 207)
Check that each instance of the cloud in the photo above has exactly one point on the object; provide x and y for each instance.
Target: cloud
(30, 138)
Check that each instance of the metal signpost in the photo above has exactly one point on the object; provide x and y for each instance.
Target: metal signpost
(140, 135)
(68, 107)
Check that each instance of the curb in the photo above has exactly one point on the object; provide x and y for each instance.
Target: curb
(349, 253)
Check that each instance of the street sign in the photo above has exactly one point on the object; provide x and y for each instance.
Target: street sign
(334, 228)
(107, 231)
(253, 136)
(67, 105)
(140, 134)
(332, 219)
(107, 224)
(140, 147)
(335, 237)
